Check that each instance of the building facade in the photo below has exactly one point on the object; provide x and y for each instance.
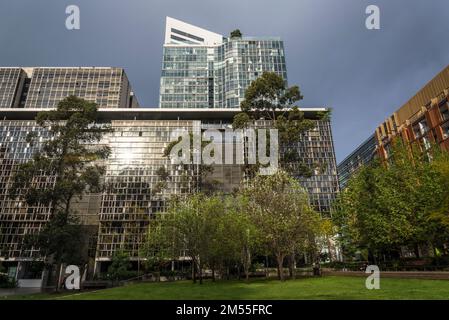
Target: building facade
(361, 156)
(117, 219)
(202, 69)
(44, 87)
(423, 120)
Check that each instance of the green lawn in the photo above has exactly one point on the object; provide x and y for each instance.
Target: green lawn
(307, 288)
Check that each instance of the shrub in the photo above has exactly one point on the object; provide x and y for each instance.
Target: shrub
(7, 282)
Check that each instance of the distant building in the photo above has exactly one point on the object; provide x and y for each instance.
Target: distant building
(44, 87)
(361, 156)
(203, 69)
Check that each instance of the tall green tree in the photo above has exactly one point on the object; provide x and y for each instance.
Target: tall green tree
(269, 98)
(64, 168)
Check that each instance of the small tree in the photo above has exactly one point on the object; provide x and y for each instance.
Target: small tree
(120, 266)
(280, 209)
(183, 228)
(236, 34)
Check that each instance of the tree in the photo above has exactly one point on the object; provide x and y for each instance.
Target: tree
(158, 249)
(395, 204)
(269, 98)
(183, 228)
(280, 209)
(62, 170)
(236, 34)
(214, 231)
(241, 239)
(120, 266)
(438, 217)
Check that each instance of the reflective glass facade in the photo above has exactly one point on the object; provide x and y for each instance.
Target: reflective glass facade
(10, 81)
(135, 187)
(363, 155)
(16, 218)
(216, 76)
(316, 149)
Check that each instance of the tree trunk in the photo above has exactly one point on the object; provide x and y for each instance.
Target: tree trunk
(59, 273)
(200, 270)
(267, 273)
(416, 249)
(280, 261)
(331, 249)
(292, 266)
(213, 274)
(247, 264)
(194, 270)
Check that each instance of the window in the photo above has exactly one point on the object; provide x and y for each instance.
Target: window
(420, 128)
(444, 110)
(445, 128)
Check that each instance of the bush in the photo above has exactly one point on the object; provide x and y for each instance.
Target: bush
(7, 282)
(440, 261)
(120, 267)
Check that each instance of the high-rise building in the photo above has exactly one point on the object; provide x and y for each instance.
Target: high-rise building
(203, 69)
(44, 87)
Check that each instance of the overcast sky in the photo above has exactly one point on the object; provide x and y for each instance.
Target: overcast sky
(363, 75)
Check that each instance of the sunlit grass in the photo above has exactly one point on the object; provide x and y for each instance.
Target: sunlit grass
(306, 288)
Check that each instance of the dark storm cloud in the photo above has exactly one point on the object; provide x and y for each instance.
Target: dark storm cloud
(363, 75)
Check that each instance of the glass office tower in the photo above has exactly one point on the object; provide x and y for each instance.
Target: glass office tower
(202, 69)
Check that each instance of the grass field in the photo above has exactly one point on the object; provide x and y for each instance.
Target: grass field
(307, 288)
